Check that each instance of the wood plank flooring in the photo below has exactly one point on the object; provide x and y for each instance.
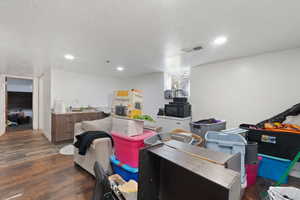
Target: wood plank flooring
(50, 178)
(16, 147)
(32, 169)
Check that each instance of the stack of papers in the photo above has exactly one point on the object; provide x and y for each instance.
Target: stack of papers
(284, 193)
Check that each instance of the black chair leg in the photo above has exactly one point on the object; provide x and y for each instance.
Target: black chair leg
(97, 194)
(102, 186)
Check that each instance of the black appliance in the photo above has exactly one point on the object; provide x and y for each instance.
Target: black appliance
(121, 110)
(161, 111)
(180, 100)
(178, 108)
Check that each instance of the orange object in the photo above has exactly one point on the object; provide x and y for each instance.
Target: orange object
(279, 127)
(122, 93)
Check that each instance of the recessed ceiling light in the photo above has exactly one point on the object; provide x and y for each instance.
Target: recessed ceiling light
(69, 57)
(120, 68)
(220, 40)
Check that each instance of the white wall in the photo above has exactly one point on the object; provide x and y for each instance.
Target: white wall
(45, 112)
(152, 86)
(246, 90)
(82, 89)
(73, 89)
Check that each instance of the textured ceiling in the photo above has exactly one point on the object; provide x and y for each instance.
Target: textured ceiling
(143, 36)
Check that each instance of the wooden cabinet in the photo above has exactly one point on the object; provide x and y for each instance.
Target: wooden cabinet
(63, 124)
(177, 171)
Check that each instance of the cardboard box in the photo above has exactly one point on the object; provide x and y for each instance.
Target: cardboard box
(128, 127)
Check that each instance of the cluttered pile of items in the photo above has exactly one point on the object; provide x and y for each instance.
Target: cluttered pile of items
(151, 158)
(147, 163)
(269, 149)
(130, 134)
(278, 140)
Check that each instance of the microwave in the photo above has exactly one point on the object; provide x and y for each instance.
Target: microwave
(178, 110)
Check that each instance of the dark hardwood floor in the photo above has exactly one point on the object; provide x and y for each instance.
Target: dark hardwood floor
(50, 178)
(17, 147)
(32, 169)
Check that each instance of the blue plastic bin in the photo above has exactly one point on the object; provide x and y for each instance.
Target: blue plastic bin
(125, 171)
(272, 167)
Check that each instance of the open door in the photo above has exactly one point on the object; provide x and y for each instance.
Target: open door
(19, 104)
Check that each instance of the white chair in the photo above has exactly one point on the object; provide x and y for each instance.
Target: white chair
(100, 150)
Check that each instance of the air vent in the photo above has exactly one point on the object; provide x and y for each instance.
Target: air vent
(189, 50)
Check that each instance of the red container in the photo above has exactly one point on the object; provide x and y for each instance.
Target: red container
(252, 171)
(127, 148)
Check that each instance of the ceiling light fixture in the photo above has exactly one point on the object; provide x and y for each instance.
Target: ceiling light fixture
(120, 68)
(69, 57)
(220, 40)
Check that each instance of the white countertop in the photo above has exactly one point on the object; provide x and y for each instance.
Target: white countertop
(174, 118)
(79, 112)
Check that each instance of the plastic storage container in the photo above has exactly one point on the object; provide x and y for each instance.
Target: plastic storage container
(124, 170)
(127, 127)
(252, 172)
(201, 127)
(157, 139)
(279, 144)
(239, 131)
(228, 143)
(176, 134)
(127, 148)
(273, 167)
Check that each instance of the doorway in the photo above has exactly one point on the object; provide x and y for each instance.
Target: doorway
(19, 104)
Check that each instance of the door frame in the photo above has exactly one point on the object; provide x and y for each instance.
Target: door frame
(35, 99)
(2, 105)
(5, 102)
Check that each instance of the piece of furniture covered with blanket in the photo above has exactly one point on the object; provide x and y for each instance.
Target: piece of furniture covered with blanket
(100, 150)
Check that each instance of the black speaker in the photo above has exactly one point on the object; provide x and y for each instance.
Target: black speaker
(180, 100)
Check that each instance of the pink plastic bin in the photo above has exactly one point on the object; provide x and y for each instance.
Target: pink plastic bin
(127, 148)
(252, 171)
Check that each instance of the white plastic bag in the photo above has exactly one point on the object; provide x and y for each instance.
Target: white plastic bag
(284, 193)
